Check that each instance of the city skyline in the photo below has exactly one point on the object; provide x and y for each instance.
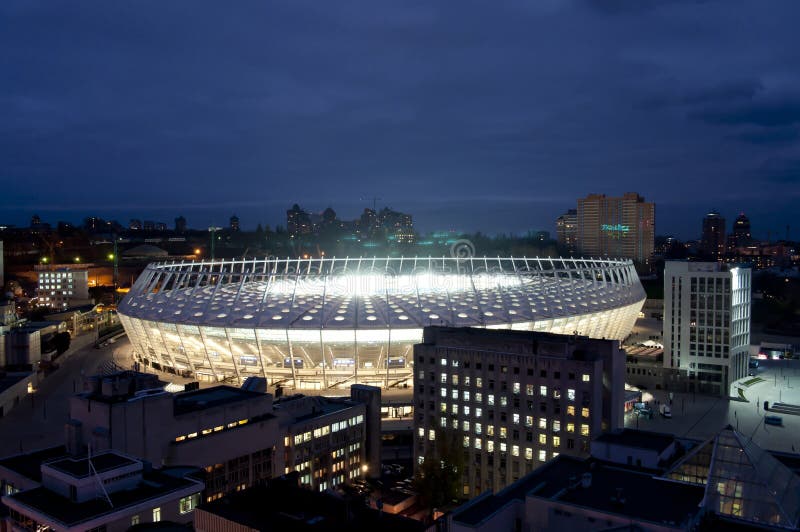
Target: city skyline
(467, 117)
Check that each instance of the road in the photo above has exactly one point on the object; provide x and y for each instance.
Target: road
(38, 421)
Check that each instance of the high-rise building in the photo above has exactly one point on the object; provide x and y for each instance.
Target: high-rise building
(513, 399)
(706, 324)
(180, 224)
(712, 241)
(234, 223)
(740, 236)
(567, 230)
(298, 222)
(2, 269)
(616, 227)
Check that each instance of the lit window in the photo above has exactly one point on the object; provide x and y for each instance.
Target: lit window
(515, 387)
(466, 410)
(542, 423)
(465, 426)
(478, 397)
(528, 421)
(478, 443)
(584, 430)
(479, 382)
(529, 389)
(528, 453)
(443, 422)
(466, 395)
(180, 438)
(585, 412)
(490, 430)
(516, 419)
(515, 450)
(454, 409)
(556, 426)
(478, 412)
(455, 424)
(156, 514)
(431, 434)
(443, 378)
(478, 428)
(543, 391)
(187, 504)
(542, 439)
(490, 399)
(443, 362)
(455, 380)
(585, 377)
(443, 392)
(503, 432)
(420, 431)
(466, 441)
(542, 455)
(443, 407)
(556, 441)
(571, 410)
(503, 447)
(454, 394)
(570, 394)
(490, 446)
(570, 427)
(193, 435)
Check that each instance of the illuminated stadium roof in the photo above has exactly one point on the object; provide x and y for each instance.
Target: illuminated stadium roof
(325, 323)
(377, 293)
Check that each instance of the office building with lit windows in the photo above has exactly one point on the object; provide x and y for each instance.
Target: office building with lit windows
(238, 436)
(616, 227)
(567, 231)
(513, 399)
(62, 285)
(706, 325)
(331, 322)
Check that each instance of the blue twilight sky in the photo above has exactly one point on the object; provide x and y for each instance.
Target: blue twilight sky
(469, 115)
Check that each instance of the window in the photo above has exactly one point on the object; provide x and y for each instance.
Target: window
(490, 430)
(156, 514)
(543, 391)
(556, 441)
(585, 377)
(187, 504)
(443, 362)
(584, 430)
(515, 450)
(585, 412)
(542, 439)
(431, 434)
(528, 453)
(515, 388)
(134, 520)
(570, 394)
(542, 455)
(490, 399)
(570, 427)
(542, 423)
(571, 410)
(529, 389)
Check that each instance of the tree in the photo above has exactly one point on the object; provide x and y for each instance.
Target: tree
(438, 480)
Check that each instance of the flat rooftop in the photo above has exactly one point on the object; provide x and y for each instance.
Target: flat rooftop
(79, 467)
(29, 464)
(283, 505)
(72, 514)
(198, 400)
(640, 439)
(559, 480)
(320, 406)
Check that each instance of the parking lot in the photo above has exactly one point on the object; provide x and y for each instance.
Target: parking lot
(701, 416)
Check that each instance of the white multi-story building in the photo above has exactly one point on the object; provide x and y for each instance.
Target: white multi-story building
(706, 324)
(513, 399)
(62, 286)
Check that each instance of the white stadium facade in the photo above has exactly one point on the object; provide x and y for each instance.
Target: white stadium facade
(327, 323)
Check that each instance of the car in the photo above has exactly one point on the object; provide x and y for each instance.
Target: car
(645, 412)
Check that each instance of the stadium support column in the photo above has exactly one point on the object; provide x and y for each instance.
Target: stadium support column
(291, 357)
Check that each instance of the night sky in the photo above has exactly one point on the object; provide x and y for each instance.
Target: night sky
(490, 116)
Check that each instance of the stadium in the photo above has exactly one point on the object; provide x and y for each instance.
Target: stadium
(329, 322)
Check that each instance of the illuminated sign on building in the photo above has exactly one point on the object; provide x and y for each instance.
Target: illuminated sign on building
(619, 228)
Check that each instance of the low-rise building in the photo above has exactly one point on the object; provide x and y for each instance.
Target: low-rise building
(281, 504)
(646, 482)
(108, 491)
(238, 436)
(63, 285)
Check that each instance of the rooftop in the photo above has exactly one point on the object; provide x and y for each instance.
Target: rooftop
(71, 514)
(8, 381)
(283, 505)
(559, 480)
(29, 465)
(640, 439)
(79, 467)
(197, 400)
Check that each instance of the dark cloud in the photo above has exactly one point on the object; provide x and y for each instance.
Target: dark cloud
(780, 170)
(482, 116)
